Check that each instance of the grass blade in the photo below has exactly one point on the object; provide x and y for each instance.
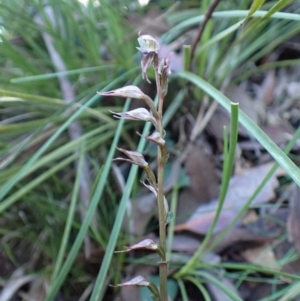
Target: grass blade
(279, 156)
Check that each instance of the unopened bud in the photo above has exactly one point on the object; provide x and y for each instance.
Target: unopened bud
(134, 157)
(140, 281)
(156, 138)
(154, 190)
(164, 71)
(150, 187)
(137, 114)
(126, 92)
(148, 244)
(132, 92)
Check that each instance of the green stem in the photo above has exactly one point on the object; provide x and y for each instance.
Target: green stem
(162, 230)
(161, 160)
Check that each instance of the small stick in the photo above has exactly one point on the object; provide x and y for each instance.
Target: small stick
(207, 16)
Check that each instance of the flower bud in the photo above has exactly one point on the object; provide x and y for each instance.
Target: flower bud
(164, 71)
(134, 157)
(154, 190)
(137, 114)
(156, 138)
(141, 281)
(138, 280)
(148, 244)
(132, 92)
(126, 92)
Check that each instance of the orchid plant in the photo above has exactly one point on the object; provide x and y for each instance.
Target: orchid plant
(149, 48)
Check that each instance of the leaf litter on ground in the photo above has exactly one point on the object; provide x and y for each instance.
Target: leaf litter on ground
(241, 187)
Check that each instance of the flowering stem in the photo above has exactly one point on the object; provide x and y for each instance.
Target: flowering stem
(161, 159)
(162, 231)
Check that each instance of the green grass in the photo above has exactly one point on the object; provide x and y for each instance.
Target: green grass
(39, 183)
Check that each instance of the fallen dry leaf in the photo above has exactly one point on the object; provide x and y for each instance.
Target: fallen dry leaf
(37, 290)
(185, 243)
(16, 281)
(239, 237)
(204, 183)
(262, 256)
(280, 133)
(241, 188)
(217, 293)
(266, 90)
(262, 291)
(291, 267)
(293, 224)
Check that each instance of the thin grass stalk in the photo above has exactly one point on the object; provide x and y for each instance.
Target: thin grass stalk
(68, 226)
(227, 170)
(210, 278)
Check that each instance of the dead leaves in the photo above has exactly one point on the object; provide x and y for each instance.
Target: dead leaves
(240, 189)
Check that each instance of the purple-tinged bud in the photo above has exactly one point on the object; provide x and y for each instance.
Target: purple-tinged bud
(141, 281)
(164, 71)
(150, 187)
(148, 244)
(137, 114)
(154, 190)
(134, 157)
(126, 92)
(138, 280)
(156, 138)
(132, 92)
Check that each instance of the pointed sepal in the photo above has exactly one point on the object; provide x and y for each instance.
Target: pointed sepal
(154, 190)
(132, 92)
(126, 92)
(134, 157)
(140, 114)
(141, 281)
(148, 244)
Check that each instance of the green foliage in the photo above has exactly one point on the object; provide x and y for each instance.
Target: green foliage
(39, 179)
